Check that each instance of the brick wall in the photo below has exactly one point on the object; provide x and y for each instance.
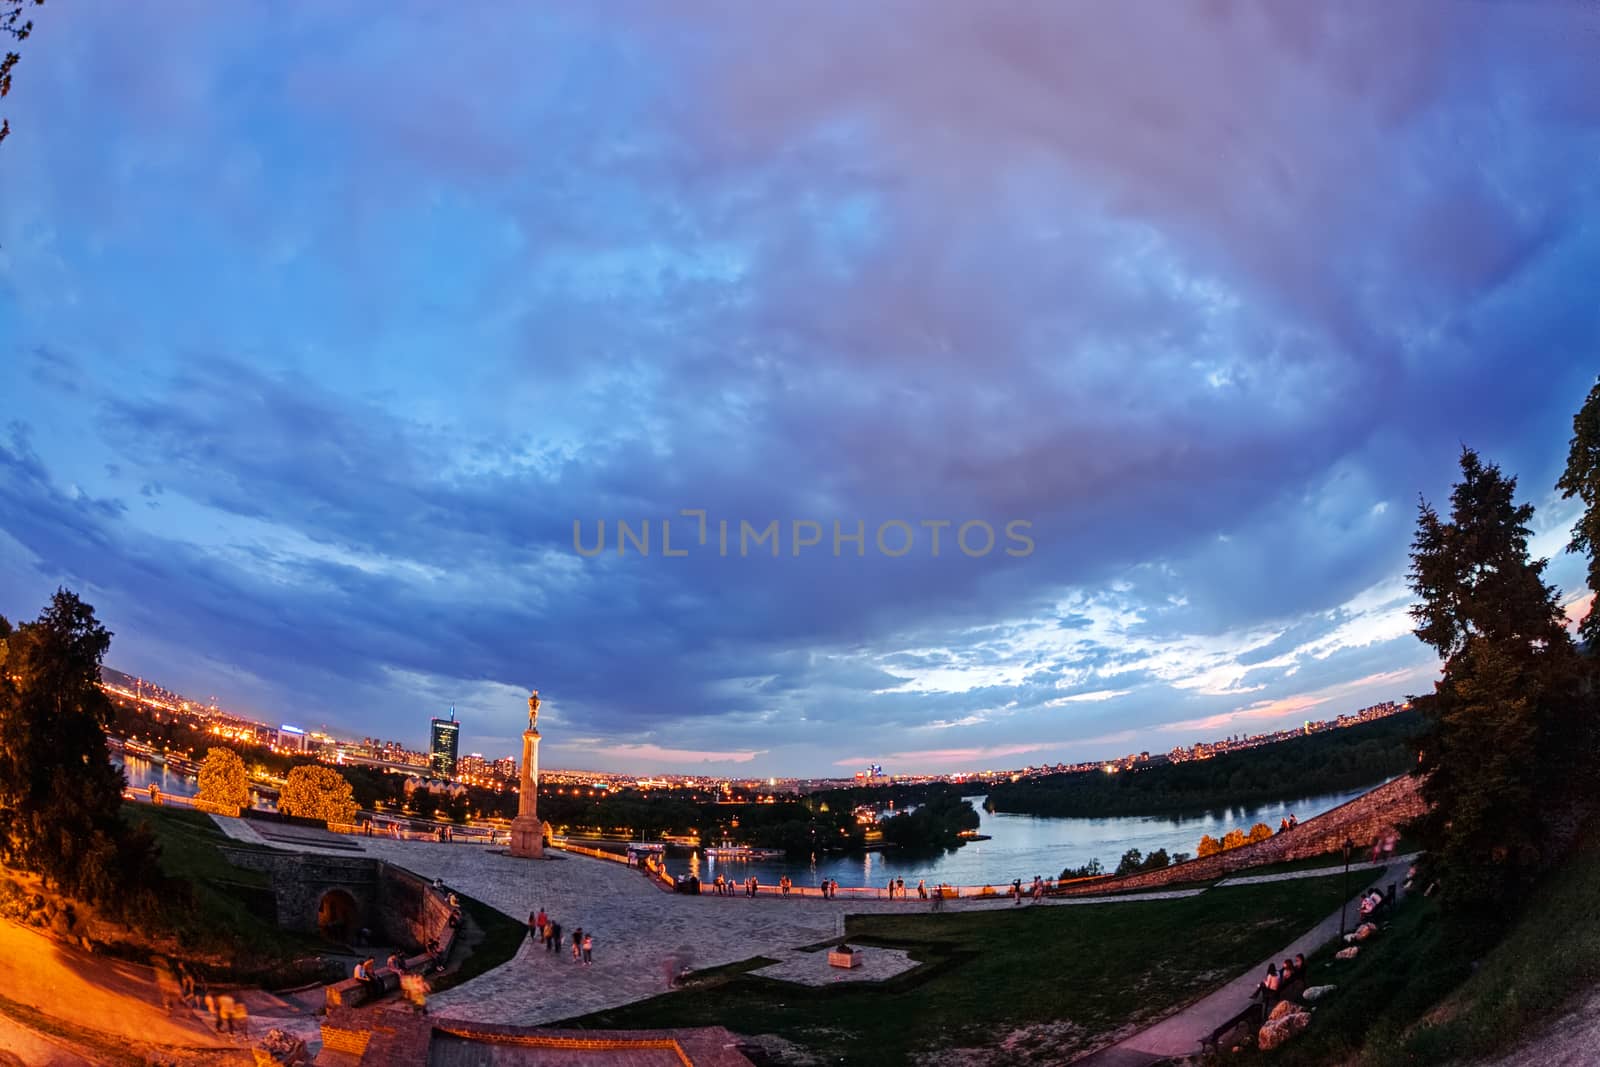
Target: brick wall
(1361, 820)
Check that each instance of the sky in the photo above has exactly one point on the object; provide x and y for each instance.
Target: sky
(324, 327)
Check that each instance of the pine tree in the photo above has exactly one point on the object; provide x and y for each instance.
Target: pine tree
(59, 793)
(1581, 479)
(1500, 719)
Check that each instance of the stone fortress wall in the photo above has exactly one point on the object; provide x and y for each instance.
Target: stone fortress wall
(397, 906)
(1361, 820)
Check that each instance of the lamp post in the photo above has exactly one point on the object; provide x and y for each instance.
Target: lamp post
(1344, 893)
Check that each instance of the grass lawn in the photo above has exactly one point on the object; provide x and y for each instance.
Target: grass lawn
(1413, 997)
(226, 922)
(230, 917)
(1053, 980)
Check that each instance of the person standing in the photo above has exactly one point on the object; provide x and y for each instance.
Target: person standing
(577, 943)
(588, 950)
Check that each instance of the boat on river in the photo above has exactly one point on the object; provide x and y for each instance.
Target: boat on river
(744, 852)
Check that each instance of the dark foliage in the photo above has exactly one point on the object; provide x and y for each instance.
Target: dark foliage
(59, 792)
(1581, 479)
(936, 824)
(1321, 763)
(13, 25)
(1508, 732)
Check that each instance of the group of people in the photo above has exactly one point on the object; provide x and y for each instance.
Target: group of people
(829, 887)
(1035, 892)
(723, 887)
(1285, 983)
(366, 972)
(1288, 823)
(897, 889)
(541, 927)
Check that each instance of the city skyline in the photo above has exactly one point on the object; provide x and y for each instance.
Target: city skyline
(311, 387)
(426, 757)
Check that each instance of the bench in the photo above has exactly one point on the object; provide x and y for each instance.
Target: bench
(353, 991)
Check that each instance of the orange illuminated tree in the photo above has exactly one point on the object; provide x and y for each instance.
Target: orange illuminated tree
(318, 793)
(222, 779)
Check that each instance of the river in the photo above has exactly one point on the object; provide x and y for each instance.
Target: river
(1021, 846)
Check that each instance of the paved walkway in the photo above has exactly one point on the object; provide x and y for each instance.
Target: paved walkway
(1180, 1034)
(1318, 872)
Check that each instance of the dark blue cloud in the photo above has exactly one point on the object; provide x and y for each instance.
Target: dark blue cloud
(320, 333)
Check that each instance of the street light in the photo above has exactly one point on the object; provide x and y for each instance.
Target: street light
(1344, 895)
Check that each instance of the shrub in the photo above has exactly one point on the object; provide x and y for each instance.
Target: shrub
(1092, 869)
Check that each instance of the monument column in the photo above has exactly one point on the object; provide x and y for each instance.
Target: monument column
(527, 832)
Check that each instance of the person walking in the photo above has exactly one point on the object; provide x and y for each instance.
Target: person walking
(555, 937)
(588, 950)
(577, 943)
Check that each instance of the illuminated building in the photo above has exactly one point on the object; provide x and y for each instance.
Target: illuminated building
(443, 745)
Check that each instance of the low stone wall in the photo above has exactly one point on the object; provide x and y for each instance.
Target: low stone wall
(1361, 820)
(413, 912)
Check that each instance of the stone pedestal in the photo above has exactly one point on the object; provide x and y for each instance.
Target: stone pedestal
(527, 832)
(527, 837)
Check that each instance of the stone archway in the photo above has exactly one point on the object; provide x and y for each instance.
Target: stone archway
(337, 912)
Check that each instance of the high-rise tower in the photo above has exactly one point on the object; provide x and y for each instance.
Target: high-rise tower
(445, 743)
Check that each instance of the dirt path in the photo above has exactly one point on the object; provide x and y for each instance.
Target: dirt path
(115, 998)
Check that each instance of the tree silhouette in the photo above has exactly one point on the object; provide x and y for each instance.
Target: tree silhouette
(1496, 749)
(14, 25)
(1581, 479)
(60, 795)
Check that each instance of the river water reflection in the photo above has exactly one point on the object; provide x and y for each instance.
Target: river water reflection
(1021, 846)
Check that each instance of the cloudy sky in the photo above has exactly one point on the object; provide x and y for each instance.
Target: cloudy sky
(321, 325)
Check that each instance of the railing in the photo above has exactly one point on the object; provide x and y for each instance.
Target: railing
(178, 800)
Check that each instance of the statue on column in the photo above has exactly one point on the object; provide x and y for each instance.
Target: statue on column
(527, 832)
